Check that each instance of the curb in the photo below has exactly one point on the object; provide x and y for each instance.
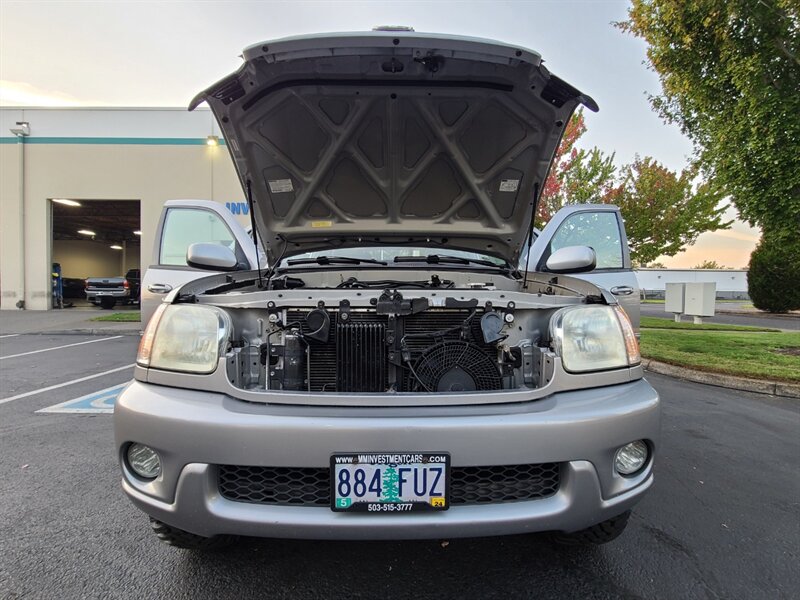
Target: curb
(758, 314)
(103, 331)
(759, 386)
(83, 331)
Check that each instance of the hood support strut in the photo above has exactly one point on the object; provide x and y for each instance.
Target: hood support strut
(255, 231)
(530, 232)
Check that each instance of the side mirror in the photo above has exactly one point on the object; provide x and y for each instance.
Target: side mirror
(211, 257)
(572, 259)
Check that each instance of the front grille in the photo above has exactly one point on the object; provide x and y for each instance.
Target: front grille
(507, 483)
(307, 486)
(287, 486)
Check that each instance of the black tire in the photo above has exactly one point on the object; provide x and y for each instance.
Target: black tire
(178, 538)
(108, 303)
(602, 533)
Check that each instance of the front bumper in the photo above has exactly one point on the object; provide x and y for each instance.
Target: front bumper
(195, 431)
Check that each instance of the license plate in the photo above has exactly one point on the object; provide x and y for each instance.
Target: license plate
(389, 482)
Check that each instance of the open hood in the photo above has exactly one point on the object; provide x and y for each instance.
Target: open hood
(392, 137)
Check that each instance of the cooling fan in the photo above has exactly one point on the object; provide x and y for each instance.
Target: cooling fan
(456, 367)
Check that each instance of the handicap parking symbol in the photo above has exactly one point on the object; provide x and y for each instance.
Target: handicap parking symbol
(101, 402)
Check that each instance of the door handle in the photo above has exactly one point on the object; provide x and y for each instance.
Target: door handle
(622, 290)
(159, 288)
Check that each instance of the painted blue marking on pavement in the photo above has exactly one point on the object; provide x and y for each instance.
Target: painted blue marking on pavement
(101, 402)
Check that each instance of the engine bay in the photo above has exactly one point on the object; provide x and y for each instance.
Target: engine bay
(394, 343)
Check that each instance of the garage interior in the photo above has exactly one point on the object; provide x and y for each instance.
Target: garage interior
(93, 238)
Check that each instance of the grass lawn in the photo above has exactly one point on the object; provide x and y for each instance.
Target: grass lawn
(133, 316)
(658, 323)
(747, 354)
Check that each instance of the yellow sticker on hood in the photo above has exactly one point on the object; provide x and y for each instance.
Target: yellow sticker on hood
(321, 224)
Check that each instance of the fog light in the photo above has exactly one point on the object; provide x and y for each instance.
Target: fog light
(631, 457)
(144, 461)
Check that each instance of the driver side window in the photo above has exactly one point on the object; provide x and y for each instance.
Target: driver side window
(598, 230)
(186, 226)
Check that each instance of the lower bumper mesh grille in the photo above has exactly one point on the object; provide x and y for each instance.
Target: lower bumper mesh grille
(308, 486)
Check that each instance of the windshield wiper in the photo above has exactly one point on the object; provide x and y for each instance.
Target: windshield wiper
(334, 260)
(441, 259)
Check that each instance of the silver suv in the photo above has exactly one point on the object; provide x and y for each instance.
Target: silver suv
(416, 361)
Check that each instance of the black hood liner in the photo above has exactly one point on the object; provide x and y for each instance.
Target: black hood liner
(373, 139)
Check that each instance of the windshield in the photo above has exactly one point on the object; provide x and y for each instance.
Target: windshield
(388, 253)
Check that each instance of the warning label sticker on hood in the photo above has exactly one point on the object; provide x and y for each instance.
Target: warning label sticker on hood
(278, 186)
(509, 185)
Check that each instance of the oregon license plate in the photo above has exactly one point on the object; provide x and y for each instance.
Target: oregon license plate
(390, 482)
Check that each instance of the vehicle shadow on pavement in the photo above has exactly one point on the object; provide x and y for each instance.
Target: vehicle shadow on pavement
(513, 566)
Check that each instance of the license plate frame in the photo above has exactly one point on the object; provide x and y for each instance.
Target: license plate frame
(416, 462)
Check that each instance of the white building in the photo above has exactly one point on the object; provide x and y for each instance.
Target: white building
(731, 283)
(117, 167)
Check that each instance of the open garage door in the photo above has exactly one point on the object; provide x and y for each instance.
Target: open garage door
(96, 241)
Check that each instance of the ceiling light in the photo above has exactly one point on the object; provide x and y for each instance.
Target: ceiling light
(212, 140)
(67, 202)
(115, 247)
(86, 232)
(137, 232)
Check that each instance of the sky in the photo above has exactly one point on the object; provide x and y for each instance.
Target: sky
(123, 53)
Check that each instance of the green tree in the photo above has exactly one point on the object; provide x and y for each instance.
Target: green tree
(730, 77)
(708, 264)
(577, 176)
(553, 196)
(656, 265)
(663, 212)
(773, 278)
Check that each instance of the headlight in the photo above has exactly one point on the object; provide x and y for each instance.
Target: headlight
(594, 338)
(184, 337)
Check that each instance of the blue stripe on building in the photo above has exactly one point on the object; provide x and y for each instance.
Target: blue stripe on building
(129, 141)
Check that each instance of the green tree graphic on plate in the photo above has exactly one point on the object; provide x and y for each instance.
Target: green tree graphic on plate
(390, 485)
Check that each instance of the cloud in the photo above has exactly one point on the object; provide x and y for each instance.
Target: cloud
(20, 93)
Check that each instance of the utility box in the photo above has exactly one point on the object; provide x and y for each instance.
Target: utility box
(673, 297)
(700, 299)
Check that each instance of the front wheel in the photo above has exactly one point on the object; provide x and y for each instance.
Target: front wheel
(178, 538)
(602, 533)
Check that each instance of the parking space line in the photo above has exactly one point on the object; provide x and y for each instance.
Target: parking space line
(66, 383)
(8, 335)
(60, 347)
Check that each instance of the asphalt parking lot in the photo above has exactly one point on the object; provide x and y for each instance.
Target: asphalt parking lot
(722, 521)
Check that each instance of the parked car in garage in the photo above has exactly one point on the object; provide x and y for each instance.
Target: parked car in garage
(108, 291)
(417, 362)
(74, 287)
